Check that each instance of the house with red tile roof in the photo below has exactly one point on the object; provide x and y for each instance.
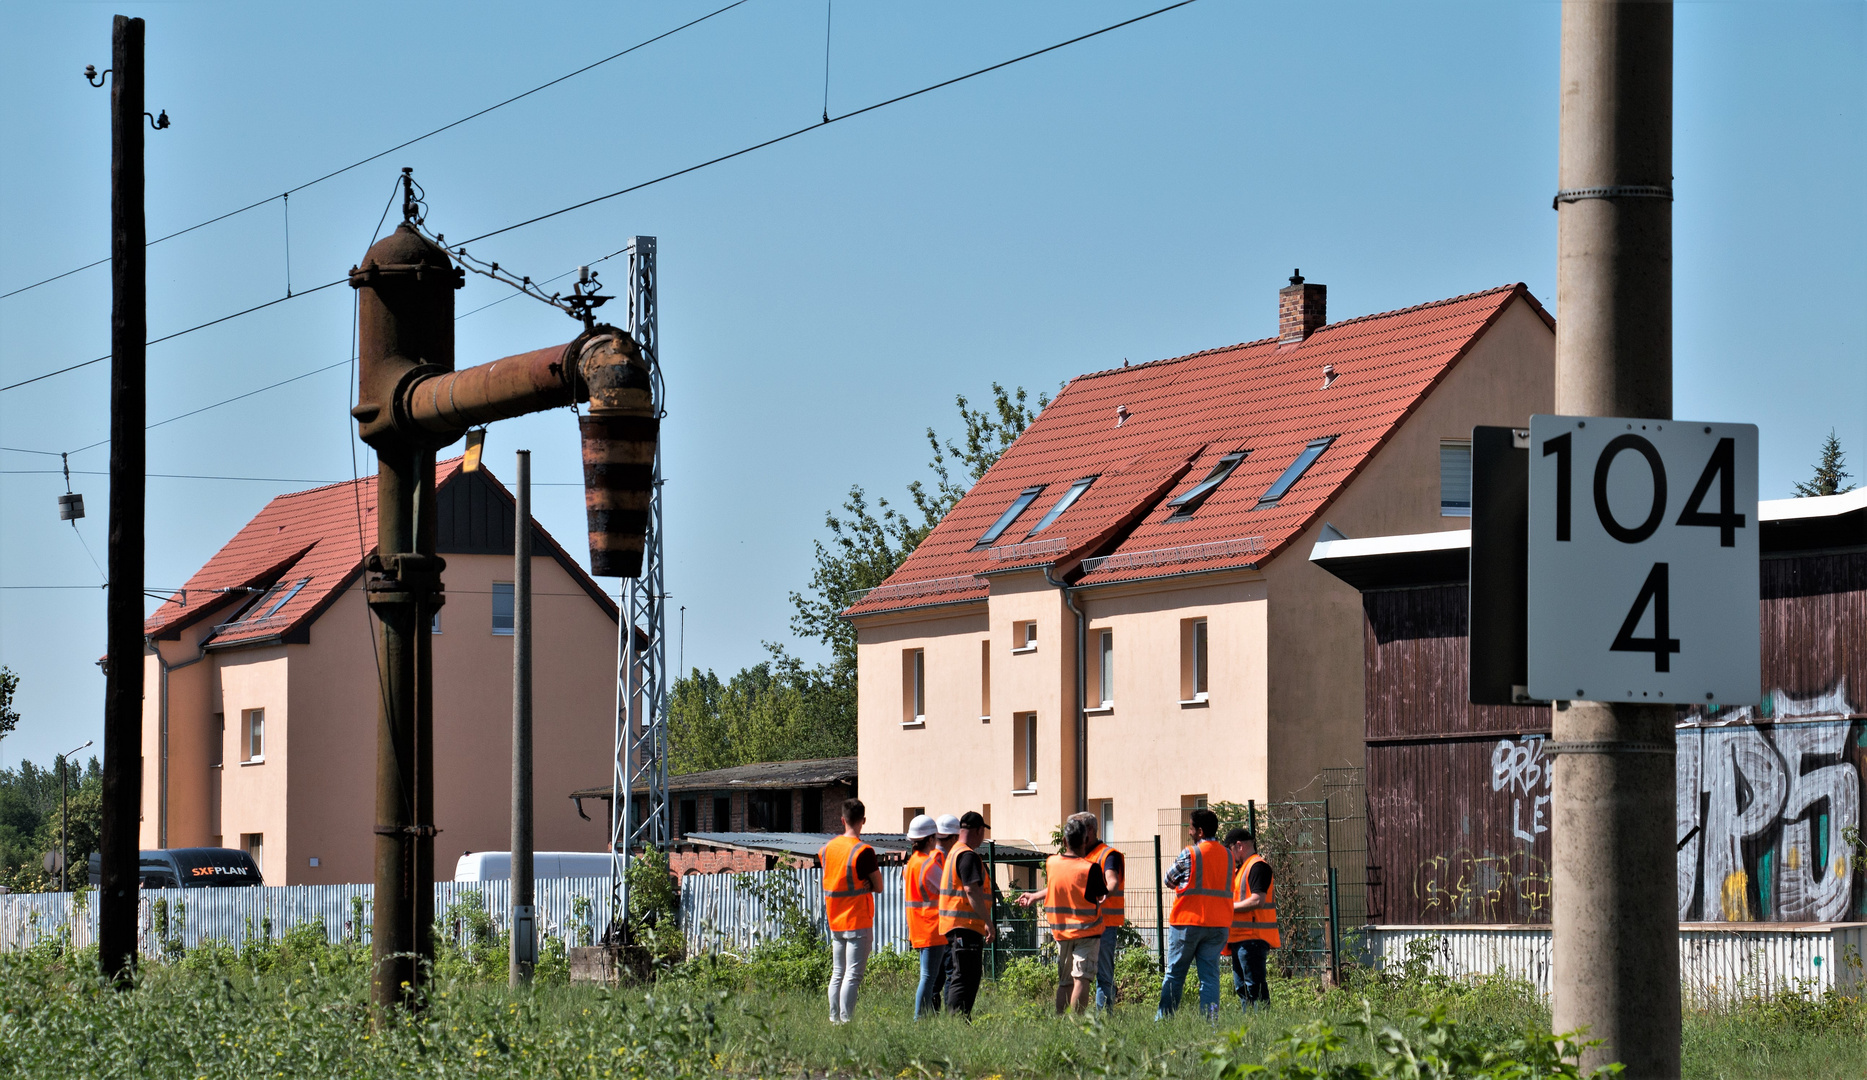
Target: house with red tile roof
(1119, 616)
(260, 718)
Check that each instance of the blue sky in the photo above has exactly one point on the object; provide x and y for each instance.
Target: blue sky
(1139, 195)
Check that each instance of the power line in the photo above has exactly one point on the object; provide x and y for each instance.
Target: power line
(830, 120)
(171, 476)
(399, 146)
(659, 179)
(178, 333)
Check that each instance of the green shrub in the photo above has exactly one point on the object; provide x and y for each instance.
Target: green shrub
(782, 964)
(1028, 979)
(893, 970)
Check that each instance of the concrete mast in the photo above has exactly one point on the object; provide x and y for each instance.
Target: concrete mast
(1616, 946)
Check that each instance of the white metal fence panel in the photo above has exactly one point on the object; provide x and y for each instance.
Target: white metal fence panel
(1716, 964)
(574, 910)
(735, 912)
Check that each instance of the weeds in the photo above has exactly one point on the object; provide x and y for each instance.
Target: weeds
(297, 1005)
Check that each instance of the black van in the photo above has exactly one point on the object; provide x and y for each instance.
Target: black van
(190, 868)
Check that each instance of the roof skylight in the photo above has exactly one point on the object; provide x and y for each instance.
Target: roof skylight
(272, 600)
(1018, 506)
(1191, 501)
(1295, 472)
(1069, 498)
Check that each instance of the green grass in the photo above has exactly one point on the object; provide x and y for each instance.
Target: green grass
(299, 1008)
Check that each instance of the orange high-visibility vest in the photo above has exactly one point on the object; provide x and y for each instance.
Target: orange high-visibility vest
(956, 911)
(1258, 924)
(1206, 898)
(922, 881)
(1115, 908)
(1066, 898)
(847, 901)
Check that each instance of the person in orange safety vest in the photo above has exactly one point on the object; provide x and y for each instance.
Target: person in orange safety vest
(966, 915)
(1254, 919)
(1114, 912)
(1201, 918)
(1073, 896)
(852, 875)
(921, 883)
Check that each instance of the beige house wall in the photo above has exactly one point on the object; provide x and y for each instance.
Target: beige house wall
(314, 794)
(1315, 640)
(1285, 687)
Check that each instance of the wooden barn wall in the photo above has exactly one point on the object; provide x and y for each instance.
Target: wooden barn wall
(1458, 813)
(1460, 830)
(1417, 669)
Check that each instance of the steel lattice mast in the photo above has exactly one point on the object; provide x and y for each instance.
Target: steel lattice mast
(641, 741)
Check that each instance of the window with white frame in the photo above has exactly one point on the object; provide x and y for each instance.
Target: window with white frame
(254, 844)
(1029, 735)
(1194, 661)
(502, 607)
(914, 686)
(253, 735)
(1455, 478)
(1107, 660)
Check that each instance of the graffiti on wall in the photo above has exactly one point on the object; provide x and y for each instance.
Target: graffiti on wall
(1519, 768)
(1468, 887)
(1768, 811)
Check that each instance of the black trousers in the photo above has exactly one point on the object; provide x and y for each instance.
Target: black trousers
(1248, 972)
(965, 965)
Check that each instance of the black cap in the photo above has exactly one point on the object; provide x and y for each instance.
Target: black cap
(972, 820)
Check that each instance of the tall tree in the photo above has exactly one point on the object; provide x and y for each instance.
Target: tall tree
(1828, 472)
(9, 716)
(867, 546)
(784, 709)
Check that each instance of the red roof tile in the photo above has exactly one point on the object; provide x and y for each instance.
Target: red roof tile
(320, 537)
(1182, 416)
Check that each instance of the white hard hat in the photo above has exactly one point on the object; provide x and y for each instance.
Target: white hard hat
(948, 825)
(921, 827)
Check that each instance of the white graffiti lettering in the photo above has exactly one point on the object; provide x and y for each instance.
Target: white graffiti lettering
(1521, 769)
(1763, 818)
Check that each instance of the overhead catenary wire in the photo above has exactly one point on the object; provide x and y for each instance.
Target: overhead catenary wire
(399, 146)
(897, 99)
(668, 176)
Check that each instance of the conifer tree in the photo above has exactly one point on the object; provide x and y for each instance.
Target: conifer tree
(1828, 472)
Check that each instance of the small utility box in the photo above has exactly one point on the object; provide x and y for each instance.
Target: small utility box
(1643, 561)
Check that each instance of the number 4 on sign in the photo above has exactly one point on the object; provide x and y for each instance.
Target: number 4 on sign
(1654, 595)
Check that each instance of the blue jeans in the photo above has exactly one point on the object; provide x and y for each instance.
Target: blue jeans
(933, 980)
(1188, 945)
(1248, 973)
(1105, 969)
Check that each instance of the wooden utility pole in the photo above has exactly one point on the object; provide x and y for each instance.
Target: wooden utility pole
(1616, 931)
(123, 686)
(524, 915)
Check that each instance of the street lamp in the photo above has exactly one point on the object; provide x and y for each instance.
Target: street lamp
(64, 819)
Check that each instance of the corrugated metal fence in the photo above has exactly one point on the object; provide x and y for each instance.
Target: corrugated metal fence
(572, 909)
(733, 912)
(1716, 964)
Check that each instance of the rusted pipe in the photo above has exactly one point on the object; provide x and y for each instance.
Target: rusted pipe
(445, 405)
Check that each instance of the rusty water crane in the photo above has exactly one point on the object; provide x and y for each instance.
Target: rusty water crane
(410, 403)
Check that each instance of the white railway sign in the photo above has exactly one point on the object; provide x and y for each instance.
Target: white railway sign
(1643, 561)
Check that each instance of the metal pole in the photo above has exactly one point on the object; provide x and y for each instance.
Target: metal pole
(524, 915)
(1251, 817)
(1160, 908)
(64, 825)
(123, 687)
(1616, 934)
(1335, 935)
(1328, 861)
(991, 900)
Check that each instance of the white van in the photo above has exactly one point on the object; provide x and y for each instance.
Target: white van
(497, 865)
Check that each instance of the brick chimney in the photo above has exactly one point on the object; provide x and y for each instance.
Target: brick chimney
(1301, 309)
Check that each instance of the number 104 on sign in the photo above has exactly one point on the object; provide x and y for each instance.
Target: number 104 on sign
(1643, 561)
